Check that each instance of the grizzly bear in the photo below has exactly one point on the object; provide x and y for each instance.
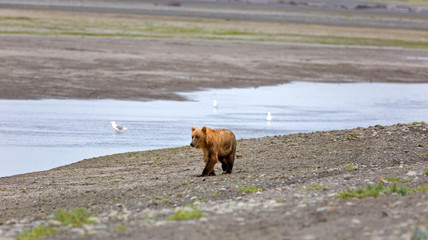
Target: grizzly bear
(217, 144)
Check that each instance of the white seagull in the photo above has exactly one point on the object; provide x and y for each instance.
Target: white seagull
(215, 105)
(117, 127)
(269, 117)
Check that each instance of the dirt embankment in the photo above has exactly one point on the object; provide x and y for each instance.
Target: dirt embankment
(299, 174)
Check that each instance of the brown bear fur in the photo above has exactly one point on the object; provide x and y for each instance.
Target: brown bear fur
(217, 145)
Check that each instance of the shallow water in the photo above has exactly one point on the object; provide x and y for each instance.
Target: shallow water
(41, 134)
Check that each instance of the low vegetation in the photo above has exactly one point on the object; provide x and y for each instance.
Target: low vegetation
(420, 233)
(315, 187)
(188, 212)
(350, 167)
(120, 228)
(249, 189)
(397, 179)
(37, 233)
(76, 217)
(374, 190)
(168, 27)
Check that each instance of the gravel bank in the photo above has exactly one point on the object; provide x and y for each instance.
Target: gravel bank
(133, 194)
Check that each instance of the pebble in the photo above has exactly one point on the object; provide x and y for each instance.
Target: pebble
(54, 223)
(355, 221)
(79, 231)
(411, 173)
(309, 237)
(322, 209)
(222, 189)
(347, 177)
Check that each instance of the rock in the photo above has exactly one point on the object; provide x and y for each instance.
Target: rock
(355, 221)
(347, 177)
(322, 209)
(306, 224)
(411, 173)
(222, 189)
(79, 231)
(54, 223)
(309, 237)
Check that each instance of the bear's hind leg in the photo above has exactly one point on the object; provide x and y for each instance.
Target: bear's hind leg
(223, 163)
(229, 161)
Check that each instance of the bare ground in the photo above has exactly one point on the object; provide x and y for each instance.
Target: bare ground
(35, 67)
(300, 175)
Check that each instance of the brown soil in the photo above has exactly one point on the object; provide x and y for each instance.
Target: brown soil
(36, 67)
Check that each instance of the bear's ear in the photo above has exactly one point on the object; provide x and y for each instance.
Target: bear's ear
(204, 129)
(193, 128)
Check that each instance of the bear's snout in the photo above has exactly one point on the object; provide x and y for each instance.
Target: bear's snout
(192, 145)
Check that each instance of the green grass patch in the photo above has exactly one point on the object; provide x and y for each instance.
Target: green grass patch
(425, 154)
(316, 187)
(182, 29)
(377, 189)
(350, 167)
(397, 179)
(188, 212)
(426, 172)
(37, 233)
(249, 189)
(120, 228)
(418, 123)
(76, 217)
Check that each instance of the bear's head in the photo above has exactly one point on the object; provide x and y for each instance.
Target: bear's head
(198, 137)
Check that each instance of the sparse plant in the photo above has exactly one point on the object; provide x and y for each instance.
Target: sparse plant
(353, 136)
(424, 154)
(76, 217)
(150, 219)
(380, 188)
(420, 233)
(397, 179)
(120, 228)
(350, 167)
(316, 187)
(37, 233)
(418, 123)
(279, 200)
(214, 194)
(249, 189)
(426, 172)
(188, 212)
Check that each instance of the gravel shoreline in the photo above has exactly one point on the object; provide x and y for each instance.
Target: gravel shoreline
(299, 174)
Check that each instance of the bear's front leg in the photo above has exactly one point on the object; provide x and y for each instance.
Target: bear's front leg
(209, 166)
